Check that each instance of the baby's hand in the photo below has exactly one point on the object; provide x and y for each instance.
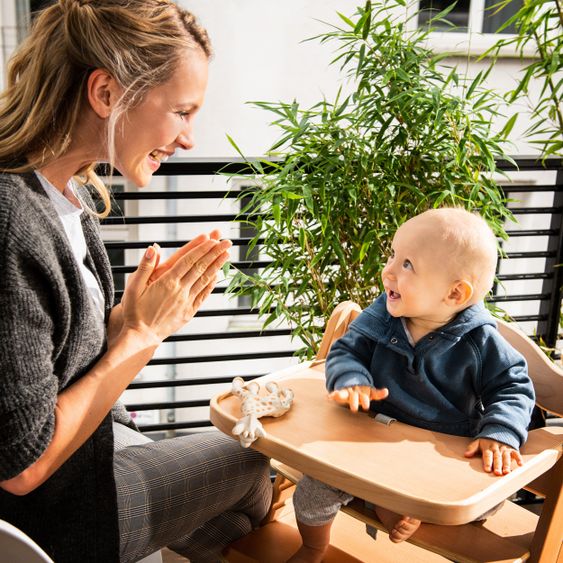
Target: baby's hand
(359, 395)
(497, 457)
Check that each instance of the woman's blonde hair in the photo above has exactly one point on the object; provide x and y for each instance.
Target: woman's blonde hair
(138, 41)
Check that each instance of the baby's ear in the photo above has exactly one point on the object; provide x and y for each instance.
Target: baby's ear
(460, 293)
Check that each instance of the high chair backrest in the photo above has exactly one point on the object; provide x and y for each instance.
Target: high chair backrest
(546, 375)
(344, 313)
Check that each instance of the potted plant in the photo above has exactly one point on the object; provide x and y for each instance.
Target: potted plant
(346, 173)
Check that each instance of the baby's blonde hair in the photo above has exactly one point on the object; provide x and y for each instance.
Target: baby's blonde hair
(138, 41)
(470, 243)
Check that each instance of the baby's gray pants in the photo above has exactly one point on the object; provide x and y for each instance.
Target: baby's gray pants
(316, 503)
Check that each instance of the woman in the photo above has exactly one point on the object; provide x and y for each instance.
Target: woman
(117, 81)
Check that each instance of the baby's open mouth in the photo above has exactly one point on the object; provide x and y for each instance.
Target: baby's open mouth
(159, 156)
(394, 294)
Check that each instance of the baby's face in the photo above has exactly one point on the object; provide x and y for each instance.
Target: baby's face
(417, 275)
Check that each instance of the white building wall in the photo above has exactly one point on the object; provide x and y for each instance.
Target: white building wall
(260, 55)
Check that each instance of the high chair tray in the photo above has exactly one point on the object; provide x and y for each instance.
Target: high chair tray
(397, 466)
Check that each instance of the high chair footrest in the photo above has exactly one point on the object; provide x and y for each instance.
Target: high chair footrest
(505, 536)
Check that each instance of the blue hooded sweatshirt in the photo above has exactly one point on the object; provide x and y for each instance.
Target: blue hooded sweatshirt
(461, 379)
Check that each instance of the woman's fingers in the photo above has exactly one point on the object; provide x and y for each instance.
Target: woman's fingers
(137, 282)
(159, 271)
(215, 235)
(210, 274)
(196, 262)
(204, 294)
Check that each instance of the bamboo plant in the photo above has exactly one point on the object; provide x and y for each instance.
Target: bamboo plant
(408, 135)
(538, 24)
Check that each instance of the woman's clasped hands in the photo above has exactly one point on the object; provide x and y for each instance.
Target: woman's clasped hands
(159, 299)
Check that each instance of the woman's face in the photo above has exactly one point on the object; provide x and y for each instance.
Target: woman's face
(151, 131)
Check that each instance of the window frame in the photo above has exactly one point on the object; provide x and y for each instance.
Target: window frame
(472, 42)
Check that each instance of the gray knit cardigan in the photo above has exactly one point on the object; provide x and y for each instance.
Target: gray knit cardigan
(50, 337)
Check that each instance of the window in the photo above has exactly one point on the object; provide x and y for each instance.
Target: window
(479, 15)
(471, 27)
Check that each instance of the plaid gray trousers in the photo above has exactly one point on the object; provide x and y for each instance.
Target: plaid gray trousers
(194, 494)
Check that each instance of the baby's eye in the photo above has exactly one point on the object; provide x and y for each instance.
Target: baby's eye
(407, 264)
(183, 114)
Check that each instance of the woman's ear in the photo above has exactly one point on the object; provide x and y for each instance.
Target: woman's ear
(103, 92)
(460, 293)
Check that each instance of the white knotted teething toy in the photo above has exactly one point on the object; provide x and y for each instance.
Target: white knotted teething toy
(277, 402)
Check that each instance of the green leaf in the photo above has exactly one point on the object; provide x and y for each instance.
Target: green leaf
(476, 82)
(346, 20)
(367, 25)
(505, 131)
(234, 145)
(441, 15)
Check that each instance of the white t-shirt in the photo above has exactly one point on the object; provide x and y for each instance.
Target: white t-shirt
(69, 209)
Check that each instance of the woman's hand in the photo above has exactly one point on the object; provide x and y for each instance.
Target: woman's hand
(163, 267)
(159, 301)
(115, 321)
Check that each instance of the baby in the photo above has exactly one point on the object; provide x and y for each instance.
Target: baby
(427, 353)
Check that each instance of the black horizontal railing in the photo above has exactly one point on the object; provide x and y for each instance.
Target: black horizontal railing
(225, 338)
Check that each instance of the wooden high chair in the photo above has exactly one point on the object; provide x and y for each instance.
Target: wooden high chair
(406, 469)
